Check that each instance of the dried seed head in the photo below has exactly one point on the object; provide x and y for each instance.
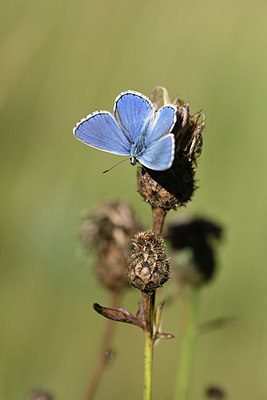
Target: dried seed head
(110, 222)
(39, 395)
(174, 187)
(148, 264)
(111, 268)
(109, 230)
(193, 240)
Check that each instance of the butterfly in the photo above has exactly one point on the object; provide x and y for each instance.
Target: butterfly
(135, 129)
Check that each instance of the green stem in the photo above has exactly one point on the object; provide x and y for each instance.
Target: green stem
(148, 309)
(188, 345)
(149, 345)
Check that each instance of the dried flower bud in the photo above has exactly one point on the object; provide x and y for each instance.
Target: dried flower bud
(39, 395)
(215, 393)
(148, 264)
(192, 232)
(196, 236)
(174, 187)
(109, 230)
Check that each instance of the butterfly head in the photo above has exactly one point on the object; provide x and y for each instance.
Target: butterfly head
(133, 160)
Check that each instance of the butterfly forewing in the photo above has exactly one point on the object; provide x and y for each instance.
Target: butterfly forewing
(133, 113)
(100, 130)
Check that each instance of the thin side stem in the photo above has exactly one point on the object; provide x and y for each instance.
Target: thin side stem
(188, 345)
(105, 348)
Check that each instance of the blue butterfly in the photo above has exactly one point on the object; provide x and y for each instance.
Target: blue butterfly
(135, 129)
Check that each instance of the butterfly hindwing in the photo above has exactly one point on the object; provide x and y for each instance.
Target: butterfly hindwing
(160, 154)
(163, 123)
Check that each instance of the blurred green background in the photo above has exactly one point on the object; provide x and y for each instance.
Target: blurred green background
(59, 61)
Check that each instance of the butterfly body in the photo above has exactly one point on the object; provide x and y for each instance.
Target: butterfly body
(134, 130)
(140, 145)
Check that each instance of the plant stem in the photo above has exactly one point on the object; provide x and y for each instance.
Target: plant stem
(148, 301)
(188, 344)
(158, 220)
(148, 309)
(105, 348)
(149, 345)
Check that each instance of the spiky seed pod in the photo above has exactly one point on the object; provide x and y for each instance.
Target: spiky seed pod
(109, 231)
(148, 264)
(174, 187)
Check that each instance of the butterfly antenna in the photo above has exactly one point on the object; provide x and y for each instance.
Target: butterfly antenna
(107, 170)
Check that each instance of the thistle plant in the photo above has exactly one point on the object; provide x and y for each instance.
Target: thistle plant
(165, 180)
(166, 190)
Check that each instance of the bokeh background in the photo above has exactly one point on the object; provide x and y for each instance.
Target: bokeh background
(59, 61)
